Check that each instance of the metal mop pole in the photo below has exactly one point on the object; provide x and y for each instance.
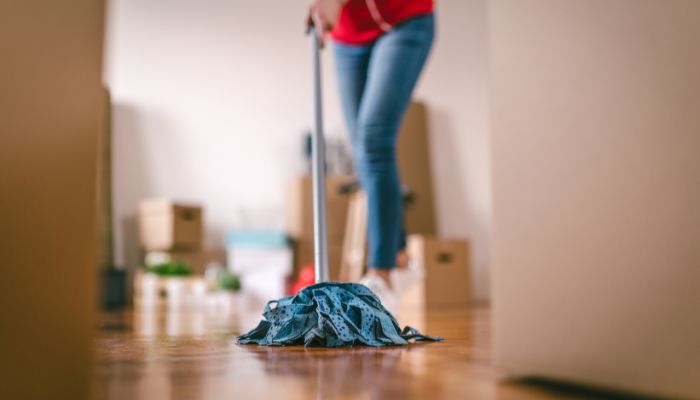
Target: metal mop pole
(318, 172)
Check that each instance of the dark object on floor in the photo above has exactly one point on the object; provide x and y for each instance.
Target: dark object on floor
(330, 314)
(113, 288)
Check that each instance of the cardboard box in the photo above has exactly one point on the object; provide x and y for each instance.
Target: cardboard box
(413, 153)
(300, 207)
(169, 292)
(300, 220)
(354, 255)
(165, 225)
(446, 263)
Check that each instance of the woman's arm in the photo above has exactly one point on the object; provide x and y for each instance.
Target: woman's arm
(323, 15)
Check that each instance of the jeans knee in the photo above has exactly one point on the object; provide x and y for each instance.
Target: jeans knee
(375, 146)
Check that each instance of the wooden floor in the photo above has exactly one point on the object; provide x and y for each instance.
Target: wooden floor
(190, 355)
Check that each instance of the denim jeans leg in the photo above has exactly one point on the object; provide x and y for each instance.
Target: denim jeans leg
(351, 64)
(393, 65)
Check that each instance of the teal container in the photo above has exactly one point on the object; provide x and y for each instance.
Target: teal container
(256, 238)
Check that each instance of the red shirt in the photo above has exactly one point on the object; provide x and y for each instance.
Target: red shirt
(363, 21)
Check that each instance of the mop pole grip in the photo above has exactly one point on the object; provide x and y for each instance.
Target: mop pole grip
(318, 171)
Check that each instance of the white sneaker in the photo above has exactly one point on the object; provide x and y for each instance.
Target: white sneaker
(403, 279)
(382, 290)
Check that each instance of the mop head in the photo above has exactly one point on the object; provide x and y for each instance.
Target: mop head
(330, 314)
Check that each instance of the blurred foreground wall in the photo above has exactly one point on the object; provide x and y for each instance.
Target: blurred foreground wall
(50, 104)
(596, 165)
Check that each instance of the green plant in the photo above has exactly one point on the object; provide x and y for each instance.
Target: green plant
(173, 268)
(228, 281)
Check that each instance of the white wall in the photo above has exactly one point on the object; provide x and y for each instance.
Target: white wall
(210, 96)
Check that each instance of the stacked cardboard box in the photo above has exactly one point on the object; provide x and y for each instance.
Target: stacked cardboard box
(300, 224)
(413, 157)
(446, 281)
(446, 263)
(152, 292)
(172, 231)
(165, 225)
(446, 260)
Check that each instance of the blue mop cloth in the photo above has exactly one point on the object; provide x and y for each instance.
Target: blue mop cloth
(330, 314)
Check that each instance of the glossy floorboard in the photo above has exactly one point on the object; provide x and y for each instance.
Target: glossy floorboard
(193, 355)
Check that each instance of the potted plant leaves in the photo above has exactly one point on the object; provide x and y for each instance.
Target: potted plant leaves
(164, 281)
(169, 268)
(228, 292)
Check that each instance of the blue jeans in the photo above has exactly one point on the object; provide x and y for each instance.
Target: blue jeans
(376, 82)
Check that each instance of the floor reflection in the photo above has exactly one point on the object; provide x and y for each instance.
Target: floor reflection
(193, 355)
(347, 372)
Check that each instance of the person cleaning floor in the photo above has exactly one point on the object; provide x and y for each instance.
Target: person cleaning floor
(380, 52)
(380, 48)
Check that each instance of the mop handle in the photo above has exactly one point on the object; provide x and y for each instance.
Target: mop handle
(318, 172)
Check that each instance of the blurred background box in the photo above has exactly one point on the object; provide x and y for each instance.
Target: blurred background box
(300, 220)
(169, 293)
(263, 259)
(300, 206)
(413, 153)
(446, 263)
(414, 165)
(354, 250)
(166, 225)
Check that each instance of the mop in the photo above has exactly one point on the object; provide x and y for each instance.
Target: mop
(327, 314)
